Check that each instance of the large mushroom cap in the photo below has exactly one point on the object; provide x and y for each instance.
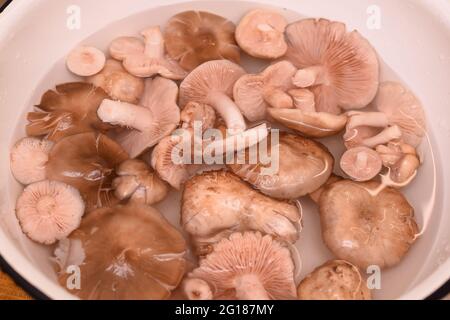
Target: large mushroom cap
(86, 161)
(194, 37)
(304, 166)
(341, 67)
(218, 203)
(69, 110)
(255, 93)
(248, 266)
(334, 280)
(130, 252)
(364, 228)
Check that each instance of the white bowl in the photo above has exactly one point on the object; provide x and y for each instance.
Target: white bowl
(413, 43)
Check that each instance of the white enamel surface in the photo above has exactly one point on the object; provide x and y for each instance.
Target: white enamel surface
(413, 43)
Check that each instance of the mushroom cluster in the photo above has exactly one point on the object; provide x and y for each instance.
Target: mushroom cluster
(146, 122)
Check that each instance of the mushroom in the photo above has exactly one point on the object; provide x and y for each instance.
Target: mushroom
(156, 117)
(198, 112)
(358, 136)
(29, 157)
(361, 163)
(139, 183)
(260, 33)
(86, 161)
(128, 253)
(246, 266)
(217, 203)
(212, 83)
(254, 93)
(366, 228)
(315, 196)
(85, 61)
(304, 166)
(195, 37)
(118, 83)
(49, 211)
(149, 62)
(303, 99)
(340, 67)
(334, 280)
(69, 110)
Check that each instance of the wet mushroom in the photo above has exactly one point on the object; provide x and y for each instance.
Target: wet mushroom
(87, 161)
(366, 228)
(201, 113)
(334, 280)
(217, 203)
(49, 211)
(69, 110)
(260, 33)
(246, 266)
(303, 99)
(156, 117)
(85, 61)
(340, 67)
(315, 196)
(195, 37)
(254, 93)
(127, 252)
(358, 136)
(29, 156)
(361, 163)
(122, 47)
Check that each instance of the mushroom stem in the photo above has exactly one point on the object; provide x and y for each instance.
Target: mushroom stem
(197, 289)
(228, 111)
(361, 160)
(384, 137)
(154, 42)
(309, 76)
(303, 99)
(249, 287)
(370, 119)
(278, 99)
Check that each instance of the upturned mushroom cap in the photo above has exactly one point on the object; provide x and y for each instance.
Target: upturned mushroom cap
(85, 61)
(195, 37)
(118, 83)
(87, 161)
(340, 67)
(28, 157)
(361, 163)
(334, 280)
(248, 266)
(137, 182)
(49, 211)
(254, 93)
(364, 228)
(198, 112)
(130, 252)
(212, 83)
(310, 124)
(69, 110)
(260, 33)
(304, 166)
(217, 203)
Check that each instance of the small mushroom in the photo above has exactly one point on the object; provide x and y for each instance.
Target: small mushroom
(86, 161)
(334, 280)
(29, 156)
(156, 117)
(85, 61)
(366, 228)
(118, 83)
(260, 33)
(303, 99)
(128, 253)
(315, 196)
(122, 47)
(200, 113)
(195, 37)
(49, 211)
(212, 83)
(69, 110)
(139, 183)
(217, 203)
(246, 266)
(361, 163)
(340, 67)
(254, 93)
(304, 166)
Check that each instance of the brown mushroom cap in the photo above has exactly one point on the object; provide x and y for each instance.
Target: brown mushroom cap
(315, 196)
(195, 37)
(361, 163)
(87, 161)
(341, 67)
(69, 110)
(366, 229)
(130, 252)
(334, 280)
(254, 93)
(260, 33)
(304, 166)
(217, 203)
